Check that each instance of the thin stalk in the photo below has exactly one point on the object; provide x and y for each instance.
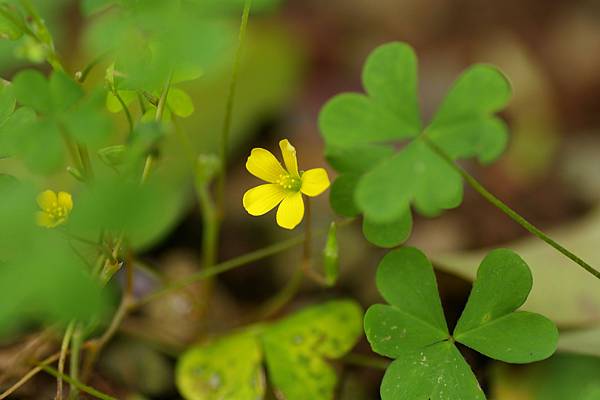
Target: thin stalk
(221, 268)
(27, 351)
(478, 187)
(115, 93)
(74, 360)
(33, 372)
(99, 344)
(72, 148)
(283, 297)
(162, 101)
(229, 265)
(210, 230)
(307, 258)
(82, 75)
(47, 40)
(64, 347)
(84, 155)
(84, 388)
(226, 133)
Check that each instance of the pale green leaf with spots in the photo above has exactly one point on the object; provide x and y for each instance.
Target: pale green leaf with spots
(227, 368)
(298, 348)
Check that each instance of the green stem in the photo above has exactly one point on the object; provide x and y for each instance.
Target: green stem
(222, 267)
(84, 388)
(210, 229)
(162, 102)
(33, 372)
(84, 155)
(229, 107)
(64, 347)
(478, 187)
(82, 75)
(45, 39)
(115, 93)
(74, 360)
(283, 297)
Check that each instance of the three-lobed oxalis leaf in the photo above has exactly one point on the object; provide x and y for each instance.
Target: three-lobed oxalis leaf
(296, 351)
(363, 131)
(51, 109)
(412, 329)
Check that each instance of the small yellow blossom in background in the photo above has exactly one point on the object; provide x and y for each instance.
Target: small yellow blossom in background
(55, 208)
(285, 187)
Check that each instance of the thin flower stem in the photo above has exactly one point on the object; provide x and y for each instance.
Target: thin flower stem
(229, 107)
(74, 359)
(38, 340)
(84, 155)
(283, 297)
(162, 101)
(97, 345)
(478, 187)
(306, 265)
(33, 372)
(82, 75)
(64, 347)
(221, 268)
(115, 93)
(47, 41)
(289, 291)
(84, 388)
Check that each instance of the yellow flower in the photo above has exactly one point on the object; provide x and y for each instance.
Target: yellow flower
(285, 187)
(55, 208)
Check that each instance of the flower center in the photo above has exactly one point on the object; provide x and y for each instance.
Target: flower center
(290, 182)
(57, 212)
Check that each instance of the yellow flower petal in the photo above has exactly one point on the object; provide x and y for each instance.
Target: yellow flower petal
(314, 182)
(289, 156)
(45, 220)
(65, 200)
(262, 199)
(47, 200)
(263, 164)
(290, 211)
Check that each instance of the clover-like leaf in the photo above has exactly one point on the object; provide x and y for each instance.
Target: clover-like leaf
(362, 131)
(414, 319)
(437, 371)
(297, 349)
(412, 328)
(489, 323)
(228, 368)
